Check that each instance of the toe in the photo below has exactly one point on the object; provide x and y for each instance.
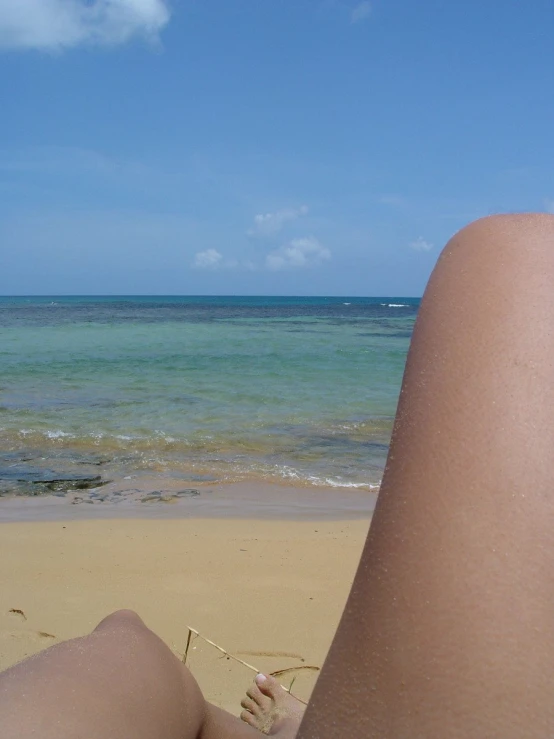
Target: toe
(268, 685)
(256, 695)
(250, 705)
(248, 718)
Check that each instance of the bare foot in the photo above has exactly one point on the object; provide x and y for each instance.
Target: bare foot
(269, 708)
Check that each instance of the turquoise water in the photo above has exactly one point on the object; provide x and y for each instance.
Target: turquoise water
(227, 389)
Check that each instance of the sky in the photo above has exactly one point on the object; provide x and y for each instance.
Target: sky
(263, 147)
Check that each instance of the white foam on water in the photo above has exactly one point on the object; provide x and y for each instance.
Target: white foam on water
(290, 473)
(396, 305)
(56, 434)
(165, 437)
(49, 434)
(341, 484)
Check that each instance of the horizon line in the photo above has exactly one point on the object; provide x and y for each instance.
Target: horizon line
(196, 295)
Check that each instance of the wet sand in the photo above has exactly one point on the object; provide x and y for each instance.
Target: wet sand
(262, 572)
(166, 497)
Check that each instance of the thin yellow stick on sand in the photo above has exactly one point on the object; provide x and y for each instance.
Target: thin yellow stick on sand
(241, 661)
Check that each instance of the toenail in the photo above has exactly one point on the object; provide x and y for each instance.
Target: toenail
(260, 678)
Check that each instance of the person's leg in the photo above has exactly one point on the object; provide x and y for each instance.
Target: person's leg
(120, 682)
(449, 627)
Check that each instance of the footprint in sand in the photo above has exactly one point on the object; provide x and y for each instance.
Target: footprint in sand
(20, 615)
(18, 612)
(42, 636)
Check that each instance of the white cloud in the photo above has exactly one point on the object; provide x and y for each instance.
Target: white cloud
(270, 224)
(391, 200)
(361, 12)
(208, 259)
(420, 244)
(212, 259)
(306, 252)
(52, 25)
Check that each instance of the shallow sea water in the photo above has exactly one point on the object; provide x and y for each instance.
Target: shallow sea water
(203, 389)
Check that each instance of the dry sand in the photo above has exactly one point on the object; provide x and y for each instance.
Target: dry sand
(269, 591)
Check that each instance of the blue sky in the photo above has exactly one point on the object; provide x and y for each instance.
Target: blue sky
(263, 146)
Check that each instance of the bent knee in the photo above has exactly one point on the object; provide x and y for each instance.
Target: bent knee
(124, 618)
(502, 244)
(502, 230)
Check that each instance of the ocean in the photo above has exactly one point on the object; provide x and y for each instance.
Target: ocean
(200, 389)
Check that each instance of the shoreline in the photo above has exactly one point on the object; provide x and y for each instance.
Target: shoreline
(149, 497)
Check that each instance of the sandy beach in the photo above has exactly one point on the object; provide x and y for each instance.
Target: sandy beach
(268, 591)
